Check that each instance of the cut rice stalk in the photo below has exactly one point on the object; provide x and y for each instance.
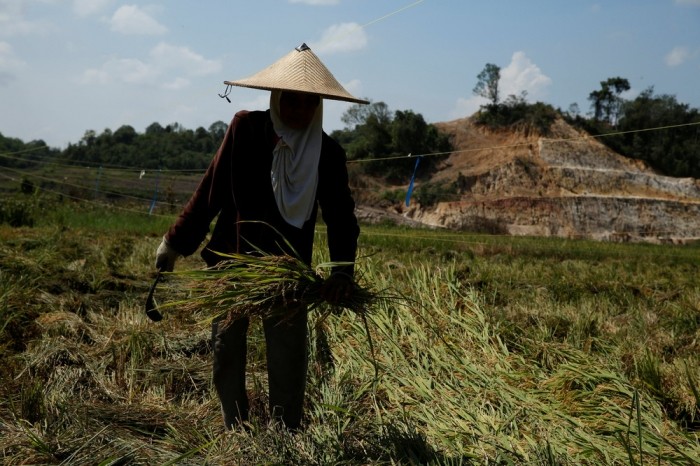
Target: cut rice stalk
(267, 286)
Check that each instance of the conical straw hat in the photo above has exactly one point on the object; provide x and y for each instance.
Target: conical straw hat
(301, 71)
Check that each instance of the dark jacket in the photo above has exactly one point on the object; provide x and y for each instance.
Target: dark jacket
(237, 188)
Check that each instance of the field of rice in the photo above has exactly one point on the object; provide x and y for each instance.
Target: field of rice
(501, 350)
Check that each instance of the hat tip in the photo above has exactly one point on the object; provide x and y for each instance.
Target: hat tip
(303, 47)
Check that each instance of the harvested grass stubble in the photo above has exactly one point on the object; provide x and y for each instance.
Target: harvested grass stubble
(473, 395)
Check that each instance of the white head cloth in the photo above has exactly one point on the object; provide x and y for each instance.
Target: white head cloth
(295, 161)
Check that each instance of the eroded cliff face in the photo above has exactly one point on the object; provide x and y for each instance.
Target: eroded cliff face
(566, 185)
(594, 217)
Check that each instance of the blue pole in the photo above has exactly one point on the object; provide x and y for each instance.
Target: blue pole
(410, 185)
(155, 194)
(97, 181)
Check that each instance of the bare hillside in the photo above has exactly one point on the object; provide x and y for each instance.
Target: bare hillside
(566, 184)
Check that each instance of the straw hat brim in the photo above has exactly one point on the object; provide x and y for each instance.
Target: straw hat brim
(300, 71)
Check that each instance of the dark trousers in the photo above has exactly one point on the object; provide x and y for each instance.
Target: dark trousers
(287, 360)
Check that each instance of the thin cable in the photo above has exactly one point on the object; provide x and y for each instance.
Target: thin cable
(82, 164)
(524, 144)
(338, 37)
(88, 201)
(411, 5)
(617, 133)
(44, 146)
(83, 187)
(8, 155)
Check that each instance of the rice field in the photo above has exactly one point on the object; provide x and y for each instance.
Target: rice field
(501, 351)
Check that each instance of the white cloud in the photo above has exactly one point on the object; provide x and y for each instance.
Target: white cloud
(126, 70)
(9, 63)
(677, 56)
(168, 65)
(520, 75)
(523, 75)
(176, 84)
(132, 20)
(343, 37)
(354, 87)
(466, 107)
(170, 57)
(261, 101)
(84, 8)
(14, 23)
(316, 2)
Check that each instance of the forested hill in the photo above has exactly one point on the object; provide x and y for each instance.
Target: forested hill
(171, 147)
(374, 132)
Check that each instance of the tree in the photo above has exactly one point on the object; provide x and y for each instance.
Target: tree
(126, 134)
(359, 113)
(88, 138)
(217, 130)
(573, 112)
(487, 83)
(374, 133)
(155, 128)
(606, 101)
(672, 151)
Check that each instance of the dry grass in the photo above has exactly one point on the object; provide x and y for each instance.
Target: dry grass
(512, 355)
(266, 286)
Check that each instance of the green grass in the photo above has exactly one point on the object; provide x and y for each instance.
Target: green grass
(64, 212)
(505, 350)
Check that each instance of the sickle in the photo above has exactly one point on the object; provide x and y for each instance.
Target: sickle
(151, 310)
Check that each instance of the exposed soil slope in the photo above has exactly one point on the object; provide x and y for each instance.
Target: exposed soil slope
(566, 184)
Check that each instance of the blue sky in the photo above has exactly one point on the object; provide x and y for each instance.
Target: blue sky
(67, 66)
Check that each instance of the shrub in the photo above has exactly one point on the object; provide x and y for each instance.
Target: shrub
(517, 114)
(17, 213)
(429, 194)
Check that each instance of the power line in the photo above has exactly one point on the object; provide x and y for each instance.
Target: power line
(363, 26)
(88, 164)
(413, 236)
(85, 187)
(526, 144)
(10, 155)
(88, 201)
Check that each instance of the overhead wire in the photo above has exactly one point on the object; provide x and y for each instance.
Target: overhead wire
(94, 202)
(105, 167)
(107, 172)
(102, 192)
(526, 144)
(348, 32)
(9, 155)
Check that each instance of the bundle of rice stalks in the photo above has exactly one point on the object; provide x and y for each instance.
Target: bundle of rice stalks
(268, 286)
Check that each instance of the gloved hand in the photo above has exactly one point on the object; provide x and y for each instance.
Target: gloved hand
(165, 257)
(337, 287)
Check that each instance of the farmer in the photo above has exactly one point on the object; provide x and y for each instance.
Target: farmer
(272, 172)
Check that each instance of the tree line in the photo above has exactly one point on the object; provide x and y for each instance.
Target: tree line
(372, 132)
(672, 151)
(385, 138)
(158, 147)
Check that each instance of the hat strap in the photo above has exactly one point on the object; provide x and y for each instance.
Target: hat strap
(227, 91)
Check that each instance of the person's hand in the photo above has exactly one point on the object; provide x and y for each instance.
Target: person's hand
(337, 287)
(166, 257)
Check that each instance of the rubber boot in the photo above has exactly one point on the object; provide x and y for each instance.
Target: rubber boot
(230, 351)
(287, 361)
